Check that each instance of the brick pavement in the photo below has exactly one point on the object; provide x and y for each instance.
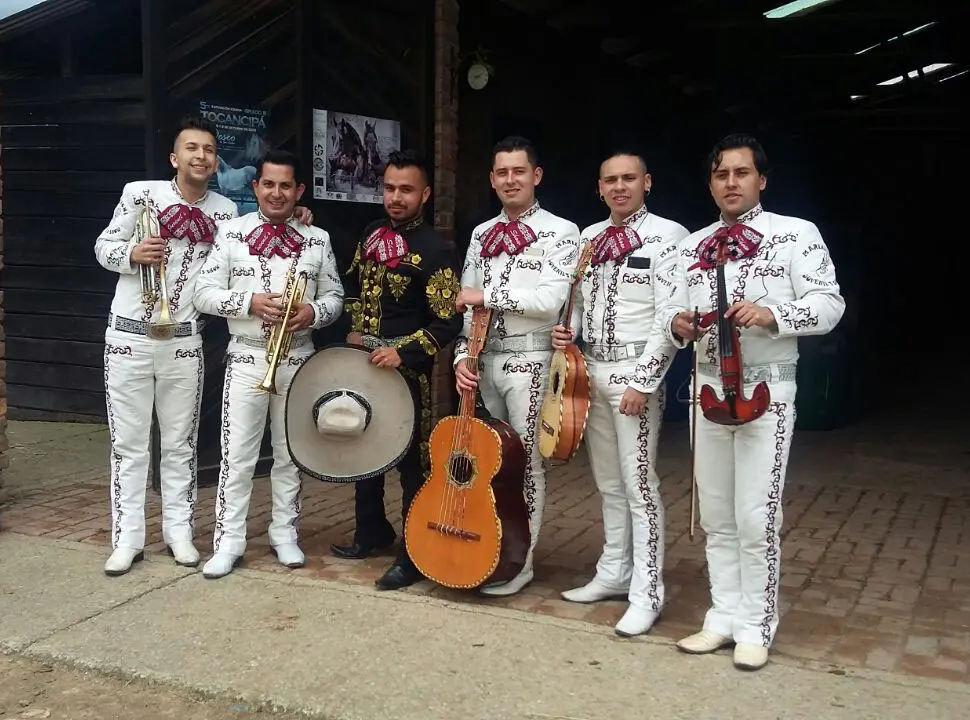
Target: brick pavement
(876, 552)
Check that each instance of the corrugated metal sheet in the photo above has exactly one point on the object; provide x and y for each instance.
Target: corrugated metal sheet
(40, 15)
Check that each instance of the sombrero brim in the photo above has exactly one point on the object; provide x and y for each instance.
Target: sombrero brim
(382, 444)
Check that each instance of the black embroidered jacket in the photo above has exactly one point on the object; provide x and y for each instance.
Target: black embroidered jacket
(411, 305)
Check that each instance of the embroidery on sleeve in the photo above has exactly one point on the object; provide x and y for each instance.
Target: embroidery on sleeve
(442, 291)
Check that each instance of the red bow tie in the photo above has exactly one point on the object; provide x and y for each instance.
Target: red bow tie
(385, 245)
(509, 237)
(269, 239)
(738, 241)
(184, 222)
(615, 243)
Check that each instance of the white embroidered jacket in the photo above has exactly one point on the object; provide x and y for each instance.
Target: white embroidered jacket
(527, 291)
(184, 258)
(620, 304)
(791, 274)
(232, 275)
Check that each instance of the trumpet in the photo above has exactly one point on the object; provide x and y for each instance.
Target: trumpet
(153, 286)
(278, 345)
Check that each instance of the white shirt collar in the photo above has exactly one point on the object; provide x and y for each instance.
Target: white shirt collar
(175, 189)
(533, 209)
(633, 217)
(747, 217)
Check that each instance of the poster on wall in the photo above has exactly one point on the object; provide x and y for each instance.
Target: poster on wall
(241, 142)
(349, 154)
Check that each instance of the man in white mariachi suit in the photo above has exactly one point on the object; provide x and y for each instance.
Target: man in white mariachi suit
(243, 280)
(627, 354)
(141, 372)
(520, 264)
(781, 285)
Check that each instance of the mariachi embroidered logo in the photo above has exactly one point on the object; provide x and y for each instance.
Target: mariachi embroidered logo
(271, 239)
(386, 246)
(615, 243)
(736, 242)
(187, 223)
(511, 237)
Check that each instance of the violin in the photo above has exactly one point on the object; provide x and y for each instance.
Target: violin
(735, 408)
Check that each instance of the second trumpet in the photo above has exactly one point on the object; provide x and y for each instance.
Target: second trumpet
(278, 345)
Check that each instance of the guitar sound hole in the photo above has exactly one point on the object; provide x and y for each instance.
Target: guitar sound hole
(461, 469)
(555, 382)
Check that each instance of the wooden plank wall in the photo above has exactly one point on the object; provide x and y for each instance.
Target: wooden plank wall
(69, 145)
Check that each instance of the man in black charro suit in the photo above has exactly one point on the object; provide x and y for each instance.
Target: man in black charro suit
(400, 295)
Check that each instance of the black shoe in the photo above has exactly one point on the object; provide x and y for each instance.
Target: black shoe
(397, 577)
(358, 551)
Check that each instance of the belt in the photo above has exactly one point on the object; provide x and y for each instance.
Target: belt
(372, 342)
(529, 342)
(140, 327)
(296, 342)
(613, 353)
(755, 373)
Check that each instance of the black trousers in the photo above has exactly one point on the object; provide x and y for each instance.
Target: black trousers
(373, 527)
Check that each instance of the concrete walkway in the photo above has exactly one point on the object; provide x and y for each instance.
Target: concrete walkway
(346, 652)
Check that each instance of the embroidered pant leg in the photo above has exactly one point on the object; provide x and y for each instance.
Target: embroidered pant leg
(515, 383)
(623, 452)
(243, 422)
(179, 373)
(714, 470)
(615, 564)
(416, 464)
(285, 479)
(740, 477)
(760, 460)
(129, 381)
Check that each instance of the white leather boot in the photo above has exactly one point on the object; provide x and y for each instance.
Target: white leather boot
(184, 553)
(290, 555)
(121, 559)
(750, 657)
(706, 641)
(511, 587)
(594, 591)
(635, 621)
(220, 565)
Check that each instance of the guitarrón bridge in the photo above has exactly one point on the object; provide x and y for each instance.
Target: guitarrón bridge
(454, 532)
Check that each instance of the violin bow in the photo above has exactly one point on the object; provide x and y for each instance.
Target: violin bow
(693, 433)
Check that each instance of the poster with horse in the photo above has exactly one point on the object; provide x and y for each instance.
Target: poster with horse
(241, 142)
(349, 154)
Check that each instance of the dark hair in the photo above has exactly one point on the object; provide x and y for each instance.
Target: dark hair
(279, 157)
(625, 153)
(735, 142)
(409, 158)
(514, 143)
(196, 122)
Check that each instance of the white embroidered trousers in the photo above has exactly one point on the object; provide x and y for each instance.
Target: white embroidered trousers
(622, 455)
(244, 410)
(139, 374)
(512, 386)
(740, 480)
